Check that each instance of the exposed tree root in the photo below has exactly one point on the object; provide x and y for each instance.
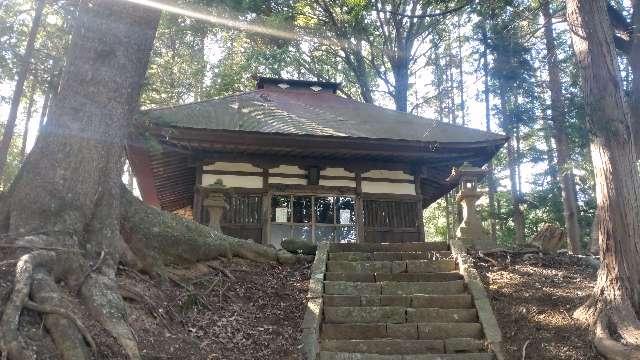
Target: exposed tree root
(151, 238)
(67, 331)
(607, 322)
(157, 237)
(607, 346)
(10, 342)
(100, 293)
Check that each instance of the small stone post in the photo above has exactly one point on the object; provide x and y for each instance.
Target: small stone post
(470, 232)
(214, 203)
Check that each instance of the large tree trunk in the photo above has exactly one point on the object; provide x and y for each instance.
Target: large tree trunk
(23, 73)
(517, 214)
(634, 62)
(400, 69)
(463, 119)
(616, 300)
(558, 118)
(487, 116)
(69, 204)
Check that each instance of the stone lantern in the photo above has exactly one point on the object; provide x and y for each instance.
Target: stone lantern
(214, 203)
(470, 232)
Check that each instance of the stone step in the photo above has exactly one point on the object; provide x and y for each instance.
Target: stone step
(389, 256)
(400, 277)
(393, 247)
(365, 314)
(410, 331)
(396, 315)
(384, 347)
(328, 355)
(426, 315)
(392, 267)
(462, 345)
(422, 288)
(439, 331)
(459, 301)
(394, 288)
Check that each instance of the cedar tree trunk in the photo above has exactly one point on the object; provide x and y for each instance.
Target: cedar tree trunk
(487, 114)
(68, 208)
(517, 214)
(558, 118)
(616, 302)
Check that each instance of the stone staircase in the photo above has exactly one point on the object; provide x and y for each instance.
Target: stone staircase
(398, 302)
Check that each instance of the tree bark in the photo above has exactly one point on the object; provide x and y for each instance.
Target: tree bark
(463, 119)
(517, 214)
(558, 119)
(68, 201)
(23, 74)
(487, 116)
(616, 302)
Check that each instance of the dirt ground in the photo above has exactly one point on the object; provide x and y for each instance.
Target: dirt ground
(534, 298)
(225, 309)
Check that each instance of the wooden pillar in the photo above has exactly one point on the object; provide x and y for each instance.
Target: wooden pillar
(417, 178)
(266, 207)
(359, 208)
(197, 196)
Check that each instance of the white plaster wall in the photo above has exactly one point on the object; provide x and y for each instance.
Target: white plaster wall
(287, 169)
(336, 172)
(289, 181)
(229, 166)
(351, 183)
(388, 174)
(388, 188)
(253, 182)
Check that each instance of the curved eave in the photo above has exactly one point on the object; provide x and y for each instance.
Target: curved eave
(166, 178)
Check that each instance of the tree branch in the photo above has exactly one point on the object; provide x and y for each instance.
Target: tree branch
(432, 15)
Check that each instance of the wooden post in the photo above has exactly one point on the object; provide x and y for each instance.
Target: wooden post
(197, 196)
(266, 208)
(417, 178)
(359, 208)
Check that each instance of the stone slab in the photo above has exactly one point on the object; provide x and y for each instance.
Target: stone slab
(387, 256)
(428, 331)
(426, 266)
(351, 256)
(422, 277)
(426, 288)
(359, 266)
(403, 331)
(461, 301)
(351, 288)
(422, 315)
(354, 331)
(459, 345)
(364, 315)
(384, 347)
(350, 276)
(341, 300)
(399, 247)
(329, 355)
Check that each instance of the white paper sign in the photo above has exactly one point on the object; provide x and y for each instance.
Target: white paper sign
(345, 217)
(281, 214)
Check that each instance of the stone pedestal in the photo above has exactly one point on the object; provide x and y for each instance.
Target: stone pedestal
(214, 204)
(471, 233)
(213, 201)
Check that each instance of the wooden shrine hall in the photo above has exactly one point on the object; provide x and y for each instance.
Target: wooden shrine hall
(293, 160)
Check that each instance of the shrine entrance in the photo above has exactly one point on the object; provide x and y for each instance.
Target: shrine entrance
(313, 218)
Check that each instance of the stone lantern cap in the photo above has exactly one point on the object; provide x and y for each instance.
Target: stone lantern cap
(466, 170)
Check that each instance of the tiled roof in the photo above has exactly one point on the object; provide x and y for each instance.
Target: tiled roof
(304, 112)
